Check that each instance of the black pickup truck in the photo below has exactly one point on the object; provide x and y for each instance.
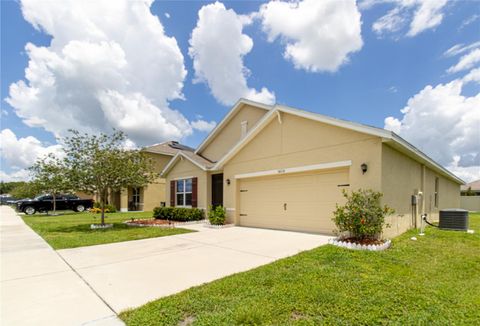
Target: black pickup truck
(44, 203)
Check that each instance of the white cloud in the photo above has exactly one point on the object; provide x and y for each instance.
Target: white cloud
(217, 47)
(21, 153)
(472, 76)
(466, 173)
(20, 175)
(469, 21)
(428, 15)
(391, 22)
(444, 124)
(202, 125)
(318, 35)
(109, 64)
(393, 89)
(422, 14)
(460, 48)
(167, 15)
(467, 61)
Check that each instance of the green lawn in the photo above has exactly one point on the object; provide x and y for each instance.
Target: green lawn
(71, 230)
(432, 281)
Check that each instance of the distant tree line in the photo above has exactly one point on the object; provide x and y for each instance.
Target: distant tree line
(20, 189)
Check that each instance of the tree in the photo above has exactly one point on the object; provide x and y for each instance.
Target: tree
(25, 190)
(469, 192)
(7, 187)
(51, 175)
(99, 164)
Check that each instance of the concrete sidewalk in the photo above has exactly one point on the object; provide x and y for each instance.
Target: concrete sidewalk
(37, 287)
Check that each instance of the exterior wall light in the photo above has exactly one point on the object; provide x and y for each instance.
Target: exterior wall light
(228, 181)
(364, 168)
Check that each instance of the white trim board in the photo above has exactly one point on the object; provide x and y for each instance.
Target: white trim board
(305, 168)
(182, 178)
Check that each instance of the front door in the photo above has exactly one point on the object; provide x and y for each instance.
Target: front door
(217, 189)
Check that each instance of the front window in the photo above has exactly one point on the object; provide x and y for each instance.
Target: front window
(436, 192)
(184, 192)
(136, 196)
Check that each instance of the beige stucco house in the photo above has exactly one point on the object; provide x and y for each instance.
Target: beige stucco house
(283, 168)
(153, 195)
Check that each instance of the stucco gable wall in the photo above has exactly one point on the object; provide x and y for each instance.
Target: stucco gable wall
(186, 169)
(159, 160)
(299, 141)
(231, 132)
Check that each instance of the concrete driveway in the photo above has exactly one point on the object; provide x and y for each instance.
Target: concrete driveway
(129, 274)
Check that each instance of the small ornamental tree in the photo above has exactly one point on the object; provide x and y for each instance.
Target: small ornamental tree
(99, 164)
(50, 175)
(362, 215)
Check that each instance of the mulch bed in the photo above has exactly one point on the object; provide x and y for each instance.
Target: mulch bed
(150, 222)
(365, 242)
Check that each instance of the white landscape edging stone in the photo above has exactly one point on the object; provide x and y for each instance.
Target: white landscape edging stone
(213, 226)
(171, 225)
(100, 226)
(356, 246)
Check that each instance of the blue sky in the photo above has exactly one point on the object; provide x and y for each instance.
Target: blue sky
(376, 79)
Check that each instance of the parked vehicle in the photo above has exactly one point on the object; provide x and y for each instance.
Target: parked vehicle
(44, 203)
(6, 199)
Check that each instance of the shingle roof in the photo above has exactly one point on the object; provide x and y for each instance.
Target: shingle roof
(207, 164)
(168, 148)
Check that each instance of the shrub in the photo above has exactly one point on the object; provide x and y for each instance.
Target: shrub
(362, 216)
(217, 215)
(181, 214)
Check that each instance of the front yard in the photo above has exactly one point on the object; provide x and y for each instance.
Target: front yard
(72, 230)
(434, 280)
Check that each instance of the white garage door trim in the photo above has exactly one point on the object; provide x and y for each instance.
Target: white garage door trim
(304, 168)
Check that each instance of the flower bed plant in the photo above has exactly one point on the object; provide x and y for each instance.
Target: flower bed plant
(180, 214)
(108, 208)
(362, 219)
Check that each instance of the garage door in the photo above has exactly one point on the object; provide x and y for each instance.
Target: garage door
(297, 202)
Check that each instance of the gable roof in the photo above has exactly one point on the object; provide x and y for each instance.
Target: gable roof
(196, 159)
(240, 103)
(387, 136)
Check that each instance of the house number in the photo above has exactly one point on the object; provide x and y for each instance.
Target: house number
(281, 171)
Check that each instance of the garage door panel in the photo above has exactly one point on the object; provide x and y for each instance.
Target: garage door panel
(310, 200)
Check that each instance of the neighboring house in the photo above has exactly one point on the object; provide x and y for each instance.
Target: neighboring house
(282, 168)
(471, 188)
(152, 195)
(470, 199)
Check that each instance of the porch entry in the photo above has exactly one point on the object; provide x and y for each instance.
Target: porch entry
(217, 189)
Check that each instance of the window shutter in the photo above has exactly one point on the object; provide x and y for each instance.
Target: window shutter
(172, 193)
(194, 192)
